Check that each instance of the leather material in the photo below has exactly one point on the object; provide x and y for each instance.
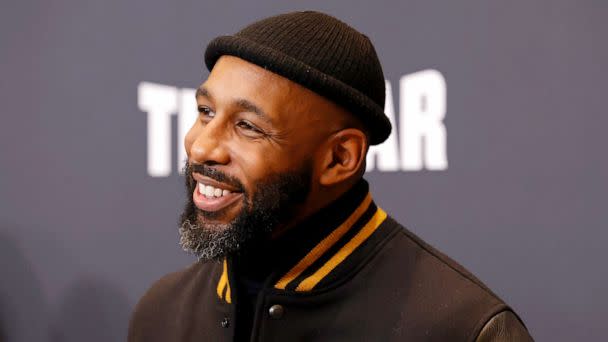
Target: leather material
(503, 327)
(385, 284)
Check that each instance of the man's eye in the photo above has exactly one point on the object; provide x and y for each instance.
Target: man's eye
(248, 126)
(206, 111)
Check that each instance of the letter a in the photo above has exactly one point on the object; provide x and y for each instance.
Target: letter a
(422, 109)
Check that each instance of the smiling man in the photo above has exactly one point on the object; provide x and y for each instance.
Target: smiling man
(290, 244)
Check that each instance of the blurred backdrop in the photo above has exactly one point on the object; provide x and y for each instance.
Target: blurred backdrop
(498, 156)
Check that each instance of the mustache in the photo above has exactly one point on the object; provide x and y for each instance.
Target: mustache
(212, 173)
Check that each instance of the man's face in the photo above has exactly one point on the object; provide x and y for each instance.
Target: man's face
(251, 157)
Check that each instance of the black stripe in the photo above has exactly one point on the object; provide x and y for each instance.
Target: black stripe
(354, 229)
(296, 243)
(358, 258)
(224, 290)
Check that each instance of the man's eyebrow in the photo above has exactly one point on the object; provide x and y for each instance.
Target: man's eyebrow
(241, 103)
(251, 107)
(203, 92)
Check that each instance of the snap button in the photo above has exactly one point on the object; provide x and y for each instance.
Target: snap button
(225, 322)
(276, 311)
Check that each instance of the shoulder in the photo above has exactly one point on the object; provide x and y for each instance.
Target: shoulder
(441, 286)
(165, 297)
(168, 284)
(436, 260)
(502, 327)
(430, 262)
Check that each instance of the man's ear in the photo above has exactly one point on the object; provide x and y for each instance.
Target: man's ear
(344, 156)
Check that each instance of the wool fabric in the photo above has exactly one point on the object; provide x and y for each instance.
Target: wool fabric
(320, 53)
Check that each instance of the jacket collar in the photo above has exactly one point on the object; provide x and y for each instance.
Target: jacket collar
(307, 256)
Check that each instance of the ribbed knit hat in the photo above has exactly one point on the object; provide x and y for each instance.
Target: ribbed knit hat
(320, 53)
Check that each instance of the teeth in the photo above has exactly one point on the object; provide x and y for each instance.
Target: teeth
(210, 192)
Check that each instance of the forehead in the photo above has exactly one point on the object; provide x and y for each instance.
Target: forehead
(234, 69)
(234, 79)
(284, 101)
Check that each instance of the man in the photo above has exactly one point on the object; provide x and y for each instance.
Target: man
(291, 246)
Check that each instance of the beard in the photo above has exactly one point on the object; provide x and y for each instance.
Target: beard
(273, 201)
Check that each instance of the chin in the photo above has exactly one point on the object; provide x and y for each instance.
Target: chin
(213, 223)
(223, 216)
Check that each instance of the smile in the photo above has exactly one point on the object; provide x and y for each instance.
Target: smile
(210, 195)
(210, 191)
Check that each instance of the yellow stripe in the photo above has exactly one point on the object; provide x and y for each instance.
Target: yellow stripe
(371, 226)
(223, 280)
(228, 297)
(324, 245)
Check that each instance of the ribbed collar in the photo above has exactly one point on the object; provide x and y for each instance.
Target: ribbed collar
(302, 257)
(274, 255)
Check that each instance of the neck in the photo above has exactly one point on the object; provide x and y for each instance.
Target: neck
(261, 258)
(323, 201)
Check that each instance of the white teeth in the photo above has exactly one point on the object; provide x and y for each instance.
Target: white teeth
(209, 191)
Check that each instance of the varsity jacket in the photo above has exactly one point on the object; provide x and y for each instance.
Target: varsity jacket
(349, 273)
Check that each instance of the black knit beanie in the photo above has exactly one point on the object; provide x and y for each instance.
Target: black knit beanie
(320, 53)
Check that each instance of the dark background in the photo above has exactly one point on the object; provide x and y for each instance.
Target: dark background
(84, 230)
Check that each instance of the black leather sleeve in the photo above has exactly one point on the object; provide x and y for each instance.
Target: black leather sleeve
(504, 327)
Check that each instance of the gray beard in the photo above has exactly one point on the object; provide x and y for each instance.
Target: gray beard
(274, 202)
(206, 243)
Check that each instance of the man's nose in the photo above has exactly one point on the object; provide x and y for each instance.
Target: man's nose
(208, 146)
